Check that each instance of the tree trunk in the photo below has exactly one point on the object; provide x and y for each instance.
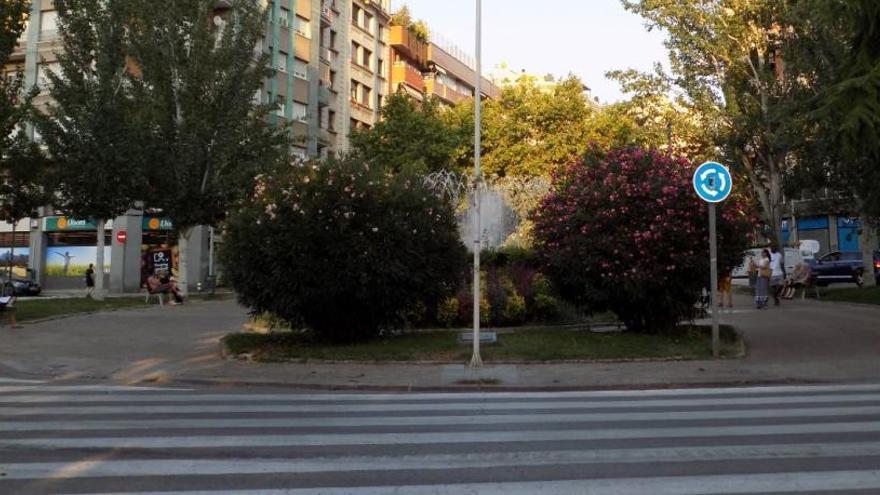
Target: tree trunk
(869, 245)
(98, 294)
(183, 260)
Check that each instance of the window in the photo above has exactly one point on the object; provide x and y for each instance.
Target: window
(331, 118)
(303, 27)
(332, 79)
(380, 66)
(354, 90)
(368, 22)
(300, 68)
(48, 24)
(282, 63)
(356, 14)
(281, 109)
(300, 112)
(354, 52)
(366, 55)
(366, 96)
(333, 44)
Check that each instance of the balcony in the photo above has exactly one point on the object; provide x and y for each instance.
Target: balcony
(327, 13)
(436, 88)
(405, 43)
(403, 73)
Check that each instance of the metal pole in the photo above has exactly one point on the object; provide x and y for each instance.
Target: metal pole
(210, 251)
(713, 270)
(476, 360)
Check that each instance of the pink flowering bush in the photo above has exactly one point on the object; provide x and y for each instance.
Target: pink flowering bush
(342, 250)
(625, 232)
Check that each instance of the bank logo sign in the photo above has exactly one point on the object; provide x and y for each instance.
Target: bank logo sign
(67, 224)
(157, 223)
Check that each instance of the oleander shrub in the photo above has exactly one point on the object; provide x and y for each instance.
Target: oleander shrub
(345, 249)
(625, 232)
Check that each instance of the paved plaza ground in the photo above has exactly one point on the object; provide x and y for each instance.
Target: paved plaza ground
(800, 342)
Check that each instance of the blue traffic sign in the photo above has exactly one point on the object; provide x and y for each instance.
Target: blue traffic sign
(713, 182)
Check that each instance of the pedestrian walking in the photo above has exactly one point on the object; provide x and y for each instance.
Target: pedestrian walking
(777, 274)
(90, 280)
(753, 272)
(725, 290)
(762, 283)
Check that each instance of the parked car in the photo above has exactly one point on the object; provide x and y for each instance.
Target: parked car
(20, 286)
(841, 267)
(793, 257)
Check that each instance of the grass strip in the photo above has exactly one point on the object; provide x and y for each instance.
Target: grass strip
(545, 345)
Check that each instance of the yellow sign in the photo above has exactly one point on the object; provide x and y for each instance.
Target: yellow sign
(62, 223)
(154, 224)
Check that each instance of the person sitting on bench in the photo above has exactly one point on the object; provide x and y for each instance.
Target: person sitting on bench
(7, 305)
(163, 285)
(800, 279)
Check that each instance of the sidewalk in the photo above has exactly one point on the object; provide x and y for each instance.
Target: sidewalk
(802, 341)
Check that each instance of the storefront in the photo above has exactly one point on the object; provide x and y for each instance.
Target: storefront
(71, 245)
(14, 249)
(59, 249)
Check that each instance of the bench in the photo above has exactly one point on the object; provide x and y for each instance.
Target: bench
(160, 296)
(7, 307)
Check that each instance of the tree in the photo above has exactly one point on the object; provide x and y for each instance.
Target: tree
(199, 67)
(90, 129)
(22, 169)
(669, 124)
(837, 60)
(411, 136)
(623, 231)
(725, 58)
(532, 132)
(342, 248)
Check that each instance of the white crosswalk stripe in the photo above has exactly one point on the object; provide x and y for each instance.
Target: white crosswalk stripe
(116, 439)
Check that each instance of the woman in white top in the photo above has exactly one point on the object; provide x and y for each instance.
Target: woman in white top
(777, 274)
(763, 283)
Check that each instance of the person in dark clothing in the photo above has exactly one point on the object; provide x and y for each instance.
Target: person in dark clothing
(90, 280)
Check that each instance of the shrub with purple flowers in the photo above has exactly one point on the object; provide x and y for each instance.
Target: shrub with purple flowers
(343, 250)
(625, 232)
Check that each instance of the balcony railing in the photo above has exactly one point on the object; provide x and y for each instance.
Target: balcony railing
(404, 42)
(404, 73)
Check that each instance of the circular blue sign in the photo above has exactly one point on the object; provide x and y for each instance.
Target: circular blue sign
(713, 182)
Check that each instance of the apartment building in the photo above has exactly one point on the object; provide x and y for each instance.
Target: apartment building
(427, 68)
(330, 70)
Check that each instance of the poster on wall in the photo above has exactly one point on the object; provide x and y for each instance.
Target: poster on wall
(19, 258)
(73, 261)
(161, 260)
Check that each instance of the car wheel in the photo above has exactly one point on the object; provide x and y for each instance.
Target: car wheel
(859, 279)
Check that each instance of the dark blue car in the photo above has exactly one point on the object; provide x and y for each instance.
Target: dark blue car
(841, 267)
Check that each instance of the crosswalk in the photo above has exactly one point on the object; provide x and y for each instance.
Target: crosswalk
(78, 439)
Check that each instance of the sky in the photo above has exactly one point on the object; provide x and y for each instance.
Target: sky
(584, 37)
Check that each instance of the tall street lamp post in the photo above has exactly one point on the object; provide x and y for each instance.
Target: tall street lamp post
(476, 361)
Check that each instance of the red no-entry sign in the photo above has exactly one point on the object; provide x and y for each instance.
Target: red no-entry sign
(121, 236)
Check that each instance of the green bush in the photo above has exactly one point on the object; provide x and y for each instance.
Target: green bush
(345, 249)
(545, 307)
(447, 312)
(514, 310)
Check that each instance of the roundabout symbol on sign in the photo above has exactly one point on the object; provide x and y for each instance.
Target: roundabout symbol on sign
(712, 182)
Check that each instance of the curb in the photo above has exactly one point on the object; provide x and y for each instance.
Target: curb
(482, 388)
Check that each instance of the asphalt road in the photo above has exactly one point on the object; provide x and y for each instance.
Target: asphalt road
(75, 439)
